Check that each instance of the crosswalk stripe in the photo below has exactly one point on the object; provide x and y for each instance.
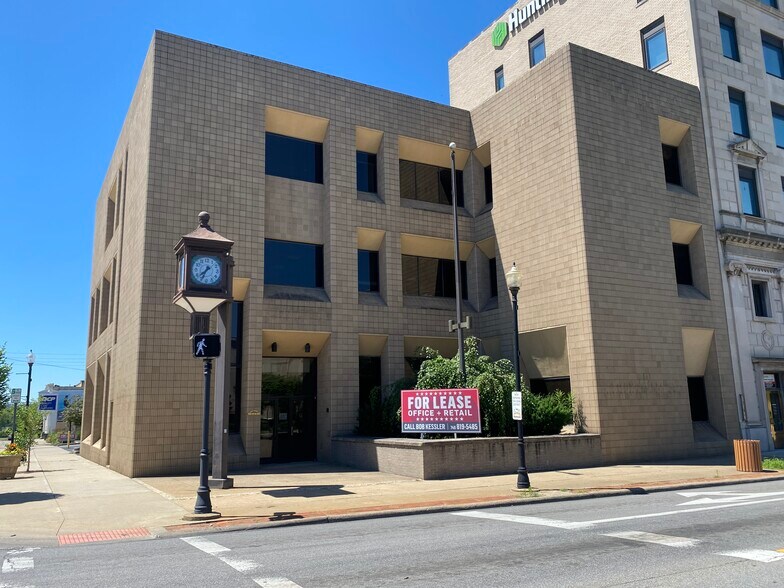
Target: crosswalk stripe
(761, 555)
(479, 514)
(205, 545)
(667, 540)
(17, 564)
(276, 583)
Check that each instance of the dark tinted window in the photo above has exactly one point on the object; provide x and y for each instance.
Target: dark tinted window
(698, 400)
(740, 119)
(293, 264)
(545, 386)
(368, 270)
(296, 159)
(672, 167)
(428, 276)
(429, 183)
(748, 191)
(778, 124)
(771, 3)
(654, 44)
(499, 79)
(759, 292)
(235, 392)
(369, 377)
(493, 277)
(773, 52)
(729, 40)
(536, 49)
(488, 185)
(366, 172)
(682, 264)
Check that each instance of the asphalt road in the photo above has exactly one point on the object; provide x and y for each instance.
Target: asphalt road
(721, 536)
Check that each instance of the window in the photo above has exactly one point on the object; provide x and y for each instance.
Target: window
(369, 378)
(429, 183)
(488, 185)
(759, 292)
(493, 277)
(729, 39)
(235, 392)
(536, 49)
(682, 256)
(740, 119)
(748, 191)
(771, 3)
(654, 45)
(773, 52)
(499, 79)
(293, 264)
(428, 276)
(672, 166)
(296, 159)
(698, 400)
(778, 123)
(368, 270)
(367, 178)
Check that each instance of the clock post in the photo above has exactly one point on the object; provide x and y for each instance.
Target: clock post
(204, 282)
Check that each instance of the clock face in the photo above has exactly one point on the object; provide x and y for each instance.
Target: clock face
(206, 270)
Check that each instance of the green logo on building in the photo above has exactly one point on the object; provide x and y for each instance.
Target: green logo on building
(500, 33)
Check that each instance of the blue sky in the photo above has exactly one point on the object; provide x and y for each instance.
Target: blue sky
(67, 73)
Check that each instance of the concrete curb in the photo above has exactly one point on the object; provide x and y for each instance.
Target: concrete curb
(209, 528)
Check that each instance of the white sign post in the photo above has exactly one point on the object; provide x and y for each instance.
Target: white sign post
(16, 395)
(517, 405)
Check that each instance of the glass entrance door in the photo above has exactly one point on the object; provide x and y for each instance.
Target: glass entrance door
(288, 409)
(775, 408)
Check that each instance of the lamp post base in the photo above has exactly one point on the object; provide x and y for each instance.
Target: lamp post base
(522, 479)
(210, 516)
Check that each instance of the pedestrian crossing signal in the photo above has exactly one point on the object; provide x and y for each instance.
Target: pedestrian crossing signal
(206, 346)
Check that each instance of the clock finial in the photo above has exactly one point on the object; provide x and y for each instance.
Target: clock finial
(204, 220)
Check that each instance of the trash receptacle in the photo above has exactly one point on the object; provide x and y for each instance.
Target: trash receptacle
(748, 455)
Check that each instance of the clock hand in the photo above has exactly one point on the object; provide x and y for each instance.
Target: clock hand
(204, 273)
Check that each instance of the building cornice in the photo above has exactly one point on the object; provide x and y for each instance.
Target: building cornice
(750, 239)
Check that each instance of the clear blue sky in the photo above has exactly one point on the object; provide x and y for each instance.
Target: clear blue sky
(67, 73)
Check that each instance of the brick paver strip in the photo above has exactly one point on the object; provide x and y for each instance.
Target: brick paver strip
(114, 535)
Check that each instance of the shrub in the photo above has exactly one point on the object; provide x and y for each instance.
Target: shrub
(546, 415)
(53, 439)
(380, 416)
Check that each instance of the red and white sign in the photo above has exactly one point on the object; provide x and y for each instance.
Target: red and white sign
(440, 411)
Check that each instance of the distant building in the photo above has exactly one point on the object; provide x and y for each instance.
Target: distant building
(60, 397)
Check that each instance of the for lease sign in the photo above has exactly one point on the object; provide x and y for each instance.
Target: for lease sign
(440, 411)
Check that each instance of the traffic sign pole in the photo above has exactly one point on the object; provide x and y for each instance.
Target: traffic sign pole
(16, 398)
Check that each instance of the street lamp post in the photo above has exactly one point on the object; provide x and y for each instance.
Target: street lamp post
(204, 282)
(30, 362)
(513, 283)
(458, 326)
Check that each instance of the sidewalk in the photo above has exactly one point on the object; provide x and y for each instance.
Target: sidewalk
(68, 499)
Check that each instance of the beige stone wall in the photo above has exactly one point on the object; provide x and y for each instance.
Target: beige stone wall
(612, 28)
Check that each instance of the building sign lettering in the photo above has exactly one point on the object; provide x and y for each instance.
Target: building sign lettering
(519, 18)
(440, 411)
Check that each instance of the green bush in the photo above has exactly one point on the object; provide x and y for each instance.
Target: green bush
(53, 439)
(380, 416)
(548, 414)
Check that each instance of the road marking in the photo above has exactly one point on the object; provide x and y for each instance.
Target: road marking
(654, 538)
(520, 519)
(17, 564)
(724, 496)
(241, 565)
(756, 555)
(205, 545)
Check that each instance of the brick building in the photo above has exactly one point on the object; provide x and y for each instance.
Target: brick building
(337, 197)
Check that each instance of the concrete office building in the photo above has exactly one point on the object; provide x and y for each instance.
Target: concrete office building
(732, 50)
(338, 198)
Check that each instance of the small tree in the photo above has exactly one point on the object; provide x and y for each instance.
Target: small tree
(5, 375)
(28, 428)
(73, 414)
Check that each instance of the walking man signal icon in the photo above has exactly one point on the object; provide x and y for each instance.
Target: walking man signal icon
(206, 346)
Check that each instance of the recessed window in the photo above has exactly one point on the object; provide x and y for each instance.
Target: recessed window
(428, 276)
(778, 123)
(654, 44)
(296, 159)
(293, 264)
(536, 49)
(493, 277)
(367, 178)
(672, 166)
(429, 183)
(773, 52)
(499, 79)
(771, 3)
(740, 118)
(729, 38)
(748, 191)
(369, 378)
(488, 185)
(759, 291)
(683, 275)
(368, 271)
